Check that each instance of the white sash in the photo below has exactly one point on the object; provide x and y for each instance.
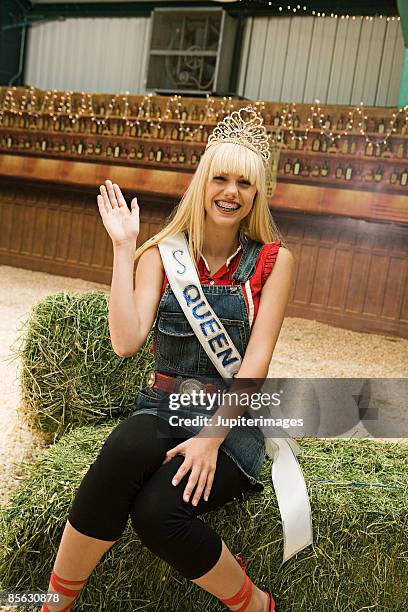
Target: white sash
(287, 477)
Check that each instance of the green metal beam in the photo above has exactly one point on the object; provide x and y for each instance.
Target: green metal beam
(403, 12)
(248, 7)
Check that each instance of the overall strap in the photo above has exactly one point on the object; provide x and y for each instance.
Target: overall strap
(246, 267)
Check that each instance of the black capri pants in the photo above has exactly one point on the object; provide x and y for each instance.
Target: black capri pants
(128, 478)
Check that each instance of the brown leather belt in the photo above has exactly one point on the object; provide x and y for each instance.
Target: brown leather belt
(171, 384)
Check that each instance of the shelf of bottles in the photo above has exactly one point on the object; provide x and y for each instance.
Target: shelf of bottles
(353, 147)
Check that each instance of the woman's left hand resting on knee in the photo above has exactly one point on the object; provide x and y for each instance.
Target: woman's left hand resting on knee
(200, 457)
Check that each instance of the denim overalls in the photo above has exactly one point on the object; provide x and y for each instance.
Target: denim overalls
(178, 353)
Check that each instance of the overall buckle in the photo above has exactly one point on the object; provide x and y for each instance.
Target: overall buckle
(191, 384)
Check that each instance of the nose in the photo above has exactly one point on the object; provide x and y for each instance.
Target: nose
(231, 188)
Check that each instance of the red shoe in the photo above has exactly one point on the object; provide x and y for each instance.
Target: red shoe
(244, 594)
(64, 591)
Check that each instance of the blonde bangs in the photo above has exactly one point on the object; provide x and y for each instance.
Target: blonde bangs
(230, 158)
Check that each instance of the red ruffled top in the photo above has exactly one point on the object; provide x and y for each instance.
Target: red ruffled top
(264, 264)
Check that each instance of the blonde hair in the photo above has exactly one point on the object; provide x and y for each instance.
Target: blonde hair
(220, 158)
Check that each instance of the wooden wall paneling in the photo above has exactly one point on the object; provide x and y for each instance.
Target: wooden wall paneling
(394, 287)
(100, 243)
(5, 223)
(63, 232)
(404, 305)
(88, 238)
(323, 39)
(305, 275)
(357, 285)
(323, 268)
(18, 224)
(50, 245)
(76, 237)
(340, 279)
(376, 279)
(40, 230)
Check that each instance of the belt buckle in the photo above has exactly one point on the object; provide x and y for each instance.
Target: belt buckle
(151, 378)
(191, 384)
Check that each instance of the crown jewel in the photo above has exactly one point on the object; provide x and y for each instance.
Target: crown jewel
(250, 133)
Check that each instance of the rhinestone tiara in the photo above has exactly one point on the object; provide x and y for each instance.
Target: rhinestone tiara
(250, 133)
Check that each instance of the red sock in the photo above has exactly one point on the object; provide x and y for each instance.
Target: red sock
(59, 588)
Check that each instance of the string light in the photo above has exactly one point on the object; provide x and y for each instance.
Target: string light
(322, 15)
(32, 105)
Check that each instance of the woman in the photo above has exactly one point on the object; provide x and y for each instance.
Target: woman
(162, 483)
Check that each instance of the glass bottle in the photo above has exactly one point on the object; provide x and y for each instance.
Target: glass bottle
(297, 166)
(324, 171)
(381, 127)
(348, 175)
(369, 150)
(394, 177)
(316, 144)
(116, 150)
(378, 174)
(345, 146)
(404, 177)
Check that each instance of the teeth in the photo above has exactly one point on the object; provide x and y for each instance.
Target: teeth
(227, 206)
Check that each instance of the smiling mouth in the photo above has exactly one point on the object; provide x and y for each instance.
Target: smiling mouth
(229, 207)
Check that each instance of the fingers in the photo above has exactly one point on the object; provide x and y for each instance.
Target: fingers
(119, 196)
(210, 480)
(103, 208)
(181, 472)
(192, 481)
(134, 205)
(200, 488)
(112, 194)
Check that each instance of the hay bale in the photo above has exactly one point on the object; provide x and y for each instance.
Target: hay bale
(70, 375)
(358, 561)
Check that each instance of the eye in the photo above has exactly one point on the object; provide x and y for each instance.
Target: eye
(219, 178)
(245, 182)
